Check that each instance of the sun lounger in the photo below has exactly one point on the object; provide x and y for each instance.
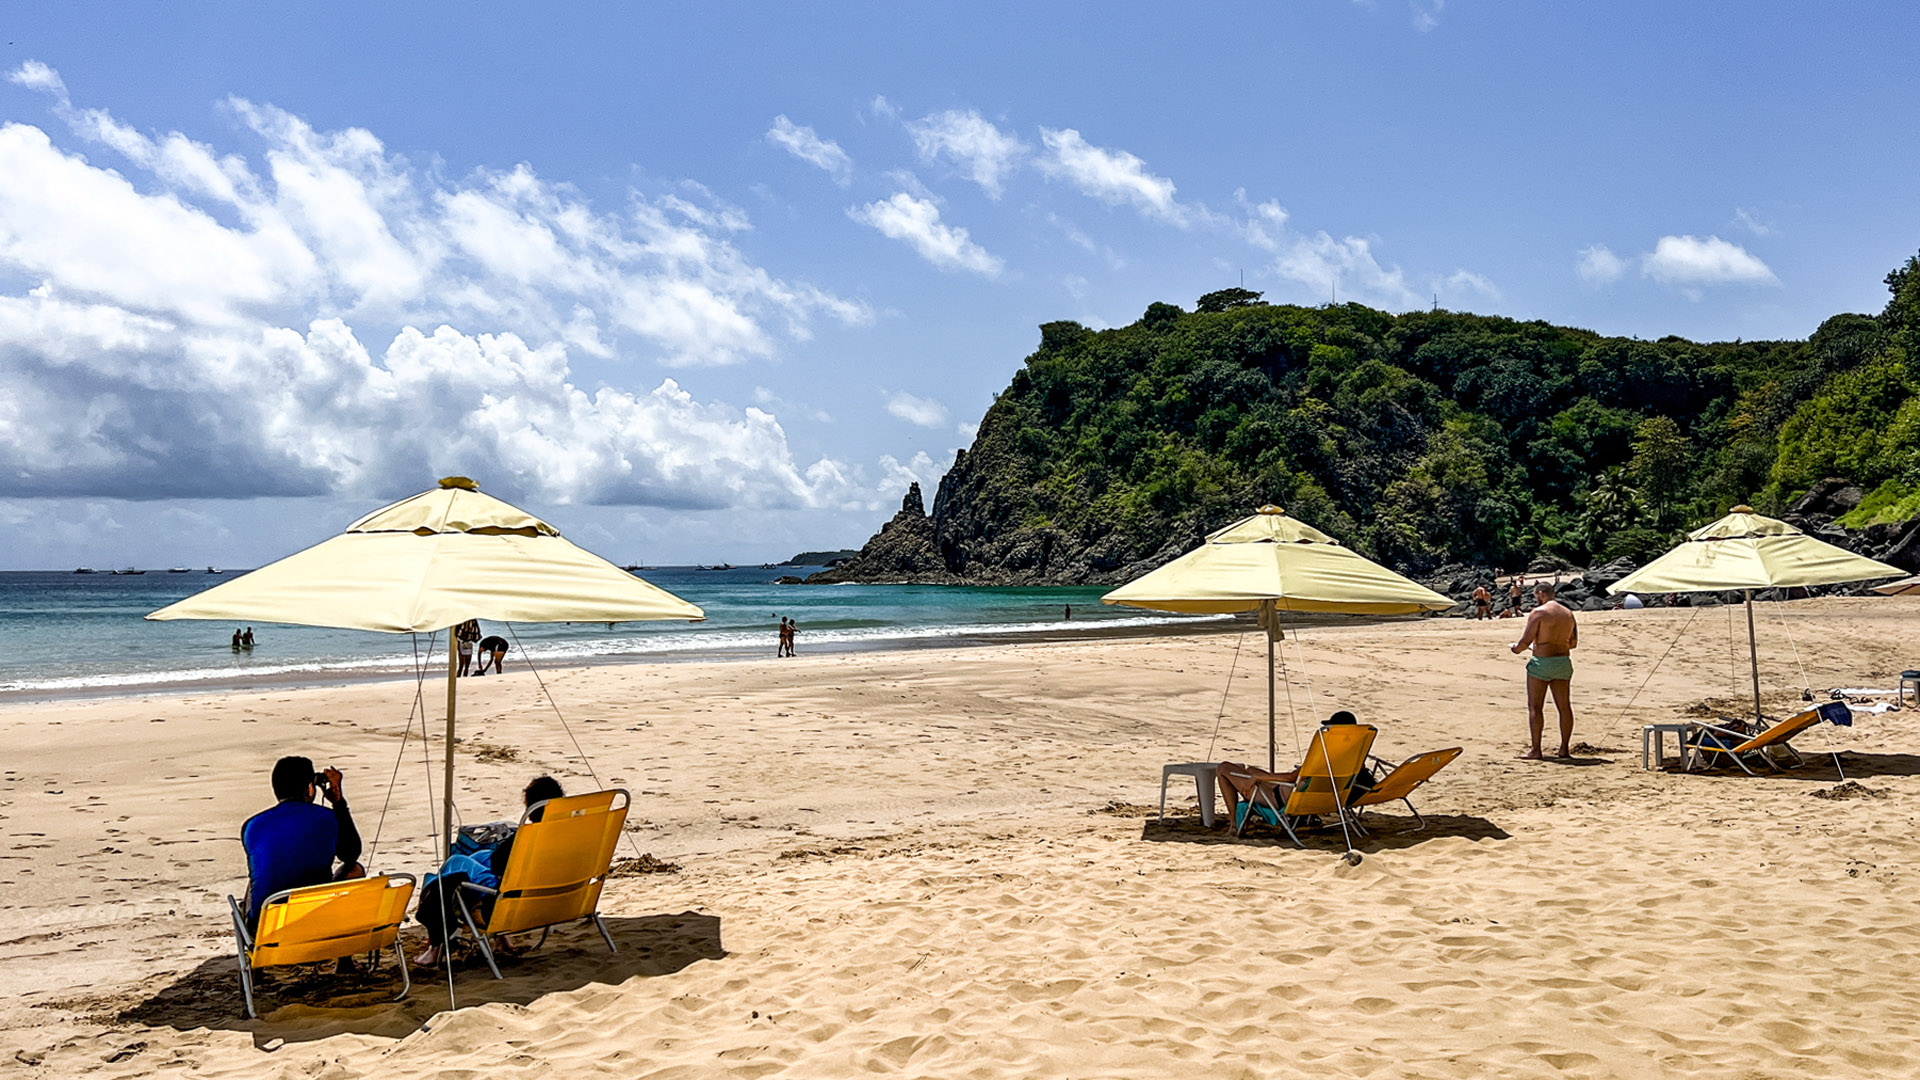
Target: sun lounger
(1397, 782)
(1716, 745)
(1323, 784)
(324, 922)
(554, 873)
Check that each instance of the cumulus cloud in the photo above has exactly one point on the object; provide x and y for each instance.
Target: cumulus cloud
(917, 223)
(982, 151)
(1462, 282)
(1425, 14)
(926, 412)
(1598, 265)
(1343, 269)
(1691, 262)
(1114, 177)
(198, 322)
(809, 147)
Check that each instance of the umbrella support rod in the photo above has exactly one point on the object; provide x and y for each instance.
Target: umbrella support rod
(1753, 658)
(1272, 737)
(446, 801)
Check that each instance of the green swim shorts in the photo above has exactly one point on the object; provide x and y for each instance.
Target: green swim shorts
(1550, 668)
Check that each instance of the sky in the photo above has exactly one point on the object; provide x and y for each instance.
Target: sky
(716, 282)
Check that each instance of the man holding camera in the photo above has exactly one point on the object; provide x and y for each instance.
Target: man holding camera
(295, 842)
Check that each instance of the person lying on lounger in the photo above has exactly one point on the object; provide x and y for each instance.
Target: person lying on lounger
(1239, 781)
(483, 867)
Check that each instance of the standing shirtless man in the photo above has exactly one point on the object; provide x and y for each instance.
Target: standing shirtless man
(1552, 633)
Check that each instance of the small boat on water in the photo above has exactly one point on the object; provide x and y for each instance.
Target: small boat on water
(86, 570)
(211, 570)
(128, 572)
(178, 570)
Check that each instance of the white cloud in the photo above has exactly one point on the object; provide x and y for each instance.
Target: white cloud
(1690, 262)
(1750, 221)
(969, 432)
(917, 222)
(1461, 282)
(35, 75)
(1265, 224)
(981, 150)
(1598, 265)
(804, 144)
(1344, 270)
(131, 370)
(926, 412)
(1425, 14)
(1112, 176)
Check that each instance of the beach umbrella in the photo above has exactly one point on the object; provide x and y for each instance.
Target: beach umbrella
(1748, 551)
(431, 562)
(1270, 563)
(1904, 587)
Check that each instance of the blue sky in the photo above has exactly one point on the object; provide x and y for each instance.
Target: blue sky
(715, 283)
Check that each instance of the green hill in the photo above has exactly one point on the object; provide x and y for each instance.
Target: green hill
(1419, 439)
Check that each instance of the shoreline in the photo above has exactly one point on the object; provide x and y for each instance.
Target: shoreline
(961, 638)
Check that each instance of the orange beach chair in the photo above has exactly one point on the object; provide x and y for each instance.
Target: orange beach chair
(324, 922)
(554, 873)
(1323, 784)
(1398, 782)
(1716, 745)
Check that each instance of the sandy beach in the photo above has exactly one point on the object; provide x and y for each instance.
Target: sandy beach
(945, 863)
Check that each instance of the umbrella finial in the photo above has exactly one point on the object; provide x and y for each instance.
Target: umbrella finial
(1270, 509)
(461, 482)
(1743, 508)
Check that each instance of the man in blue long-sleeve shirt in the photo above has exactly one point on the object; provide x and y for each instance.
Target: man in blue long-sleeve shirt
(295, 843)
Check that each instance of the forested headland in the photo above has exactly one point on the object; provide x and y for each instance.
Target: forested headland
(1422, 439)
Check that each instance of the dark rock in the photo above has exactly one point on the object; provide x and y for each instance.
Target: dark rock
(1600, 577)
(1549, 564)
(1593, 603)
(789, 579)
(1904, 552)
(903, 550)
(1831, 497)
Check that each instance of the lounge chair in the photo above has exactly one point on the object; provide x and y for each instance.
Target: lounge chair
(1397, 782)
(561, 853)
(1323, 783)
(1769, 746)
(324, 922)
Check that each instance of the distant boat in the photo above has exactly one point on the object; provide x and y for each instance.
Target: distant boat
(128, 572)
(178, 570)
(211, 570)
(716, 566)
(86, 570)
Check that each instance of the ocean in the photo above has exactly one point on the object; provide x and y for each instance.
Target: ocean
(63, 633)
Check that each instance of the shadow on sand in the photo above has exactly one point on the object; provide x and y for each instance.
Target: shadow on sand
(1818, 767)
(309, 1001)
(1385, 832)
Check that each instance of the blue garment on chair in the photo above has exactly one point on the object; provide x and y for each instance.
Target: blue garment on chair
(1835, 713)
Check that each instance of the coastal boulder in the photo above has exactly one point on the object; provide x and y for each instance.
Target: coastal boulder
(1829, 498)
(1600, 577)
(902, 550)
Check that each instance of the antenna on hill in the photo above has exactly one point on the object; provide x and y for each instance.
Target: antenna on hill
(1243, 277)
(1436, 301)
(1333, 291)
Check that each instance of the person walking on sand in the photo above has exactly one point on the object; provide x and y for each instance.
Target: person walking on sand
(1551, 633)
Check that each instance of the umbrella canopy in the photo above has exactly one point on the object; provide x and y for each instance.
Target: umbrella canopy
(431, 561)
(1903, 587)
(1272, 559)
(1749, 551)
(1745, 550)
(1271, 563)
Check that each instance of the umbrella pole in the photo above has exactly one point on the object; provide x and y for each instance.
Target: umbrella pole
(1273, 631)
(446, 802)
(1753, 657)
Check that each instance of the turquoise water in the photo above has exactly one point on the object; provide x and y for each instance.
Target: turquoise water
(66, 633)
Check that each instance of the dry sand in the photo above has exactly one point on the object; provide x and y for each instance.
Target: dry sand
(943, 863)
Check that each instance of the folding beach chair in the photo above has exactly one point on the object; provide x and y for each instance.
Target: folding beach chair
(1399, 781)
(1769, 746)
(554, 873)
(1322, 784)
(324, 922)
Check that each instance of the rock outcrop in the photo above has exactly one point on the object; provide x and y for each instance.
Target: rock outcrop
(903, 550)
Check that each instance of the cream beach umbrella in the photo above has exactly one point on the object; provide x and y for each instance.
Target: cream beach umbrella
(1270, 563)
(1904, 587)
(431, 562)
(1748, 551)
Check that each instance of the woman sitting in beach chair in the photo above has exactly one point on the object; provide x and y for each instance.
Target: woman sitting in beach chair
(483, 866)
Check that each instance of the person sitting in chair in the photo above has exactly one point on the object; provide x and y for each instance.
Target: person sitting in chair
(1240, 781)
(482, 867)
(295, 843)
